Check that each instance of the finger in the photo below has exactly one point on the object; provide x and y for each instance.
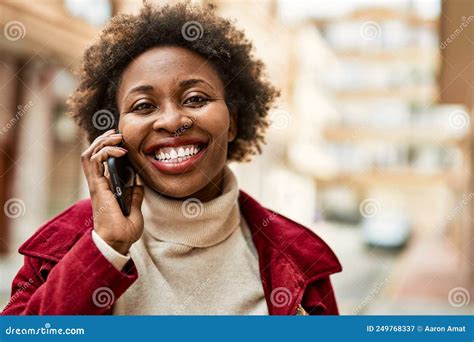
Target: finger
(106, 170)
(97, 141)
(97, 160)
(111, 140)
(137, 199)
(102, 136)
(86, 155)
(108, 151)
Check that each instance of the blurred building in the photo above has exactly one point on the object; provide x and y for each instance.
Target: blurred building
(40, 171)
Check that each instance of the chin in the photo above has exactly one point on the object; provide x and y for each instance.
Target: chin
(176, 188)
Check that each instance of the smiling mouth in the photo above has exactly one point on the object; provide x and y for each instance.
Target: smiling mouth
(177, 154)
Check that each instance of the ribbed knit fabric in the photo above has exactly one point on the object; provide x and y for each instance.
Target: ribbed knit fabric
(194, 258)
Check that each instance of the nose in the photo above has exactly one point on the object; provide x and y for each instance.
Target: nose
(171, 119)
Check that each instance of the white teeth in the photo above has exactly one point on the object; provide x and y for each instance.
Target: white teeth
(176, 154)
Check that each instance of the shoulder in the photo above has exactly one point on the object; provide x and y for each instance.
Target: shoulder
(309, 252)
(56, 236)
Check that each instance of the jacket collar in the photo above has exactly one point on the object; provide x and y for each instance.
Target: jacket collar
(290, 255)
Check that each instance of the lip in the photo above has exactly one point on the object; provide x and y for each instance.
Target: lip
(183, 166)
(176, 168)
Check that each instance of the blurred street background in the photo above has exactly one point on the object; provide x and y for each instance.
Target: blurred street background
(371, 144)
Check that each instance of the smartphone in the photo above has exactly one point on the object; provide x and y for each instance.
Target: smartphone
(122, 180)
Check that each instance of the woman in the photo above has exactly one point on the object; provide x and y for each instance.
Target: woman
(188, 97)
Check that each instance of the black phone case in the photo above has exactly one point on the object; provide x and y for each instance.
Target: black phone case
(120, 173)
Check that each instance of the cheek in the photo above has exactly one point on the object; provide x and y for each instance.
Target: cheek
(133, 130)
(215, 121)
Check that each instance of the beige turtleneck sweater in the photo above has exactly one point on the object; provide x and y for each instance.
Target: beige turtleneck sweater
(193, 258)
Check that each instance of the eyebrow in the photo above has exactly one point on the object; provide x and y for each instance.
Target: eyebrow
(138, 89)
(141, 88)
(192, 81)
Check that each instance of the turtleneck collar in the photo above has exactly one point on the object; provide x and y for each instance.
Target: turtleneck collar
(192, 222)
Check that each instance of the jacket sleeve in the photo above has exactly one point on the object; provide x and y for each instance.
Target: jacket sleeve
(319, 298)
(83, 282)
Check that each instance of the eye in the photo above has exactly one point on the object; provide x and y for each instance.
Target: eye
(196, 101)
(143, 106)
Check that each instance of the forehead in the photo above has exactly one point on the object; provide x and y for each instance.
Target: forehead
(165, 66)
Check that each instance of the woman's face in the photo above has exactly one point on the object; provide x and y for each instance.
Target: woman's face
(175, 122)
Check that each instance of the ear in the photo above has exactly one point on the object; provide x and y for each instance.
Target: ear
(232, 132)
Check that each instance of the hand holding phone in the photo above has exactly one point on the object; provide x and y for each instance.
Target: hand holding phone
(117, 219)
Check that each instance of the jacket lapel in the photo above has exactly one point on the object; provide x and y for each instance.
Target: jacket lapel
(290, 256)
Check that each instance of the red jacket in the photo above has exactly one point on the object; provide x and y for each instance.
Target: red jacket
(63, 267)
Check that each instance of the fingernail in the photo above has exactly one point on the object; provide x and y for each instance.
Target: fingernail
(122, 148)
(118, 131)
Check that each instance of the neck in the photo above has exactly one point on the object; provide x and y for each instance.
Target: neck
(193, 223)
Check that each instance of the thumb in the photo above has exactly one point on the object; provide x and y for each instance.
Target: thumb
(137, 197)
